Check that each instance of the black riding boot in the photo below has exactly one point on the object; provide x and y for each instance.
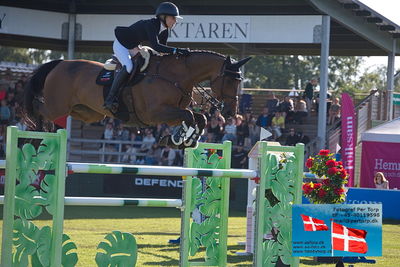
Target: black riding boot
(111, 102)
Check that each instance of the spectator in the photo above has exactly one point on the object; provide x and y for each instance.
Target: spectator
(380, 181)
(292, 138)
(153, 157)
(109, 132)
(309, 93)
(148, 141)
(303, 138)
(135, 137)
(254, 132)
(264, 120)
(130, 154)
(218, 115)
(278, 125)
(21, 126)
(334, 111)
(300, 110)
(239, 157)
(214, 130)
(5, 112)
(230, 131)
(287, 107)
(272, 103)
(167, 156)
(242, 130)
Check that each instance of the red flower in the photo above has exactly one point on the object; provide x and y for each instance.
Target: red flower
(309, 163)
(332, 171)
(340, 163)
(324, 152)
(321, 193)
(317, 185)
(339, 191)
(326, 182)
(331, 163)
(343, 173)
(307, 188)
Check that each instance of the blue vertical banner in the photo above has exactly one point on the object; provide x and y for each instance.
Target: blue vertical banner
(337, 230)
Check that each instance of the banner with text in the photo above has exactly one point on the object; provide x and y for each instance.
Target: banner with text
(348, 136)
(330, 230)
(380, 157)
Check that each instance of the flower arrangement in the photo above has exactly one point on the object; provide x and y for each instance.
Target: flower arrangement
(334, 176)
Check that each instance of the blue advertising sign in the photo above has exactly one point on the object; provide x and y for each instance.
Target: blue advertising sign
(329, 230)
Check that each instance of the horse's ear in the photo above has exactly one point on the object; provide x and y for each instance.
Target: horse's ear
(228, 60)
(242, 62)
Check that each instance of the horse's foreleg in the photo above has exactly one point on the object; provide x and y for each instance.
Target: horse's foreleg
(176, 116)
(200, 124)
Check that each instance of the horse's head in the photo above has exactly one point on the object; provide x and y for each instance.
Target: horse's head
(226, 85)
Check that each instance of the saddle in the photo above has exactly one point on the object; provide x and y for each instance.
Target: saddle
(126, 110)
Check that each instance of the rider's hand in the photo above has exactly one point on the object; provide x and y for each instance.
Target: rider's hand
(183, 51)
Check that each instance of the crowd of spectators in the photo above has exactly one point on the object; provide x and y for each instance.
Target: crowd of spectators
(11, 89)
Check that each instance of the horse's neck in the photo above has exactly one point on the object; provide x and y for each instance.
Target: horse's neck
(204, 66)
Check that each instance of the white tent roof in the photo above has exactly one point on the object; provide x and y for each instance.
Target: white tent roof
(388, 132)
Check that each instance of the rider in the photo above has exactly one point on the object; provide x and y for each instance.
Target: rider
(128, 39)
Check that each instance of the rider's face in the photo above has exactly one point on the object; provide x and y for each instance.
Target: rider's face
(170, 21)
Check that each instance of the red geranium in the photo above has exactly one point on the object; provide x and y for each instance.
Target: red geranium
(321, 193)
(324, 152)
(307, 188)
(309, 163)
(339, 191)
(317, 185)
(332, 171)
(343, 173)
(326, 182)
(331, 163)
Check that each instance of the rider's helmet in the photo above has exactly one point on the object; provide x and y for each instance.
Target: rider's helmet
(168, 8)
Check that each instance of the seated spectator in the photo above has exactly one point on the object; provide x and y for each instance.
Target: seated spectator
(5, 113)
(272, 103)
(264, 120)
(214, 130)
(218, 116)
(153, 157)
(303, 138)
(292, 138)
(167, 156)
(108, 132)
(135, 137)
(278, 125)
(148, 141)
(239, 157)
(130, 154)
(380, 181)
(230, 131)
(334, 111)
(242, 130)
(254, 132)
(287, 107)
(300, 110)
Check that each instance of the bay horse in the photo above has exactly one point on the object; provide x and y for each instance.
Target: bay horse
(68, 87)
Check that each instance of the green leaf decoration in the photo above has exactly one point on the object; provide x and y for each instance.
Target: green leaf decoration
(24, 239)
(279, 191)
(44, 246)
(197, 193)
(204, 234)
(195, 238)
(47, 150)
(35, 262)
(212, 202)
(48, 192)
(26, 205)
(213, 161)
(70, 258)
(28, 167)
(270, 252)
(120, 250)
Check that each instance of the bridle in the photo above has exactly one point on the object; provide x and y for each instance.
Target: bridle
(209, 98)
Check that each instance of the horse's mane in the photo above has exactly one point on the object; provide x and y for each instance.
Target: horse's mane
(207, 52)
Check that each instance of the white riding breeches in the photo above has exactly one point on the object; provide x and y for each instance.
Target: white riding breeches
(123, 55)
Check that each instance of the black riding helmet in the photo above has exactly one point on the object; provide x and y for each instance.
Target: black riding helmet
(168, 8)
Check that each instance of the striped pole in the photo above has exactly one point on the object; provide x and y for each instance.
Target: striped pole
(118, 202)
(75, 167)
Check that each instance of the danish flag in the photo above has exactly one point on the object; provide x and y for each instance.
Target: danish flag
(348, 239)
(312, 224)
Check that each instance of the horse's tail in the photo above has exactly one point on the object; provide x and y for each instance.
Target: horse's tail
(32, 91)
